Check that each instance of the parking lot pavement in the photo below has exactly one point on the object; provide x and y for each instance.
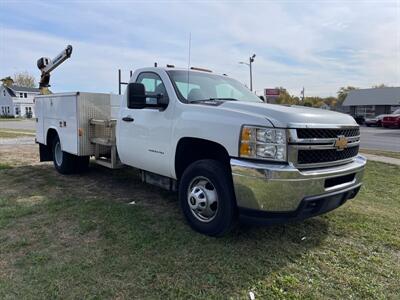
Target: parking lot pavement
(375, 138)
(378, 138)
(20, 125)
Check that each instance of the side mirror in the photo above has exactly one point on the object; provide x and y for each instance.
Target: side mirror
(262, 98)
(136, 95)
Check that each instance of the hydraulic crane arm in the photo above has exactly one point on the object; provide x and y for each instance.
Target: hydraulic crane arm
(46, 66)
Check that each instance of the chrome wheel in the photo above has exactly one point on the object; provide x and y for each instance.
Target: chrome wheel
(202, 199)
(58, 155)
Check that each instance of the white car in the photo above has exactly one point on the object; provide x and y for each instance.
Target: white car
(375, 121)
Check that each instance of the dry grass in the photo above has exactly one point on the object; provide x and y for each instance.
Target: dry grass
(15, 133)
(77, 237)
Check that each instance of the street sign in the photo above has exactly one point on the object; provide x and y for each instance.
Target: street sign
(271, 92)
(271, 95)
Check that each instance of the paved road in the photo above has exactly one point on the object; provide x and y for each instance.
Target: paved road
(377, 138)
(20, 125)
(374, 138)
(18, 141)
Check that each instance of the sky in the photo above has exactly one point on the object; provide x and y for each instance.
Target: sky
(318, 45)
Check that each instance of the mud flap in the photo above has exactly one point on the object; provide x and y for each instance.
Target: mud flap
(45, 153)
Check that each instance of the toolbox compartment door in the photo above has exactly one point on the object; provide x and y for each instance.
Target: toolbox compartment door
(61, 114)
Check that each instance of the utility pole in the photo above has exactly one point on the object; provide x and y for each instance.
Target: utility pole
(302, 94)
(249, 64)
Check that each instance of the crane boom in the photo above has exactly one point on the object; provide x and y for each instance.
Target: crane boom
(47, 65)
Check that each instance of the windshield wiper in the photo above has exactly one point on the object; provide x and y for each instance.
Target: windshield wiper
(226, 99)
(216, 99)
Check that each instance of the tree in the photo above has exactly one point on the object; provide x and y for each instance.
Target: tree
(382, 85)
(313, 101)
(24, 79)
(286, 98)
(342, 93)
(331, 101)
(7, 81)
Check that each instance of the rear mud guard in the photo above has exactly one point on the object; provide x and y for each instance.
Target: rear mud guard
(45, 153)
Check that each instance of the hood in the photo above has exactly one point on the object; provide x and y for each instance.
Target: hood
(292, 116)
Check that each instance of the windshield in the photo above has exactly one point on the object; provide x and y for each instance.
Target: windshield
(196, 86)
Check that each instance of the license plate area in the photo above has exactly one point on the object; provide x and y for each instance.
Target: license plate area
(332, 182)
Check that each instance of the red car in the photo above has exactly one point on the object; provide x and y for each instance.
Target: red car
(392, 120)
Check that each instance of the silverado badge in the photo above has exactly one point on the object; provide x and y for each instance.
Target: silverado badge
(341, 143)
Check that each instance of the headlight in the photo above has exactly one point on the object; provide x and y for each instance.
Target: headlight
(263, 143)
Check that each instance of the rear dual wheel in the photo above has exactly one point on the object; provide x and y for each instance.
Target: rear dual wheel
(66, 163)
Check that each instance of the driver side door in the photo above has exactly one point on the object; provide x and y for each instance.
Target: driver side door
(145, 132)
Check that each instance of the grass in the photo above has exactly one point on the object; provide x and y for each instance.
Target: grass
(77, 237)
(381, 153)
(9, 119)
(4, 166)
(15, 133)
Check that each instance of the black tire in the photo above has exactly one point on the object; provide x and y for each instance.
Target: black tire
(66, 163)
(225, 216)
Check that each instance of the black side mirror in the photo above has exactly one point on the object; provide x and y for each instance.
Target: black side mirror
(162, 100)
(136, 95)
(262, 98)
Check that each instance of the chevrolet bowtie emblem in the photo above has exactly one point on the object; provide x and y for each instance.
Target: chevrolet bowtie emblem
(341, 142)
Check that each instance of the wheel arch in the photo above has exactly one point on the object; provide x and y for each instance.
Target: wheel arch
(46, 149)
(51, 134)
(189, 150)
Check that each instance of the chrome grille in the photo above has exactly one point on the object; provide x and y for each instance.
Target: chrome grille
(316, 147)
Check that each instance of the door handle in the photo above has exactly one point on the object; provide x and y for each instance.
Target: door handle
(128, 119)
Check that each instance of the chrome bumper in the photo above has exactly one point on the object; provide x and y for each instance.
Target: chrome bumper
(281, 188)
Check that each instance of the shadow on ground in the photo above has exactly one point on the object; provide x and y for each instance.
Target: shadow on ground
(77, 236)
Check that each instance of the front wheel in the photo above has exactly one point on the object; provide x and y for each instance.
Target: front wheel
(207, 198)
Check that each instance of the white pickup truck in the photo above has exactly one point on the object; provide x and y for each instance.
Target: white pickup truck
(229, 155)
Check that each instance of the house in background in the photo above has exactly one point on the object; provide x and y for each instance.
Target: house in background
(373, 102)
(17, 101)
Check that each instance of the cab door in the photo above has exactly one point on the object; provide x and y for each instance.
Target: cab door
(144, 133)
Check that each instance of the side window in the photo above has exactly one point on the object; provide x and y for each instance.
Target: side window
(153, 85)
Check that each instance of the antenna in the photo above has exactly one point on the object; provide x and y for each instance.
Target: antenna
(188, 67)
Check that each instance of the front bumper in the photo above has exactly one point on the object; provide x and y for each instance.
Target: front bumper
(271, 190)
